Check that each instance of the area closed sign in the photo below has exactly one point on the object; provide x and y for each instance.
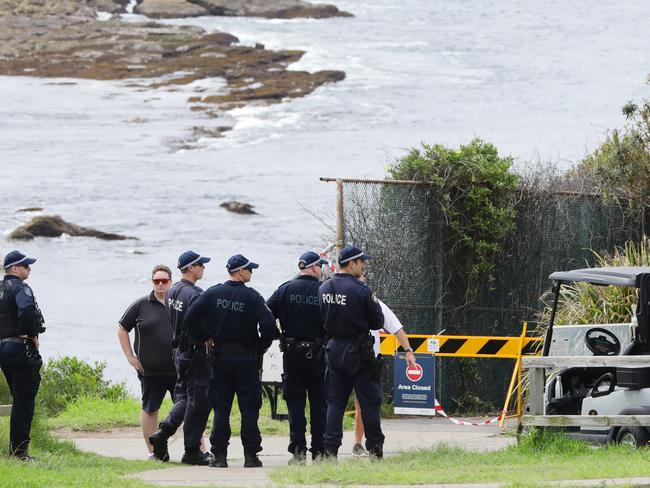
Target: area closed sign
(414, 390)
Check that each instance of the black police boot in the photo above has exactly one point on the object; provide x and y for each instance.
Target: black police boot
(376, 454)
(299, 456)
(329, 455)
(196, 457)
(25, 457)
(317, 456)
(21, 453)
(251, 460)
(158, 441)
(219, 460)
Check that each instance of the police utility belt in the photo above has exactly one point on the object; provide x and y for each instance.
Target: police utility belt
(34, 358)
(308, 348)
(229, 348)
(19, 340)
(364, 346)
(186, 343)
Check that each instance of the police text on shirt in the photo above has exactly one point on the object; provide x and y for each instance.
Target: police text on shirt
(337, 298)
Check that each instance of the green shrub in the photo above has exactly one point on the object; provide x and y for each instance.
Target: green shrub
(620, 166)
(476, 193)
(67, 378)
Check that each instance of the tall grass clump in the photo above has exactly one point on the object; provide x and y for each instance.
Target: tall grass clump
(584, 303)
(40, 438)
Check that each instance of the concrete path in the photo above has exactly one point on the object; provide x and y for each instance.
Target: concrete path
(402, 434)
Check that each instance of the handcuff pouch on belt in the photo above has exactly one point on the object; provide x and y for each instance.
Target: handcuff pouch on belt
(310, 349)
(186, 344)
(34, 359)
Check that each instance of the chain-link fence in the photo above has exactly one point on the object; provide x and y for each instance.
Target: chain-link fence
(415, 272)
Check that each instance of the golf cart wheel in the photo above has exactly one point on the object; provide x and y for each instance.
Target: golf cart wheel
(633, 436)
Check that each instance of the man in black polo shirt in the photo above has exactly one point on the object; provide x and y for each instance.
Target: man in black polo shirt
(153, 348)
(191, 407)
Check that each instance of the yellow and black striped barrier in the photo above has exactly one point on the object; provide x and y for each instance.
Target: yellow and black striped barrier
(464, 346)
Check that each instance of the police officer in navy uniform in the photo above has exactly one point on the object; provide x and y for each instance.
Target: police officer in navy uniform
(20, 324)
(191, 405)
(229, 314)
(297, 306)
(350, 310)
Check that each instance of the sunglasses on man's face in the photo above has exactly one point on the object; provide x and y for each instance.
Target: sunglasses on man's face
(161, 281)
(200, 265)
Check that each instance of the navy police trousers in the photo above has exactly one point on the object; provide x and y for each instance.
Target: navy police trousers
(344, 372)
(302, 377)
(23, 379)
(191, 406)
(237, 373)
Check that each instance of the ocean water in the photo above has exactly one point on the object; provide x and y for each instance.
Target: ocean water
(541, 80)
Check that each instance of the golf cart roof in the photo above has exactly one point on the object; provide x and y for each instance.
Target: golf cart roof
(614, 275)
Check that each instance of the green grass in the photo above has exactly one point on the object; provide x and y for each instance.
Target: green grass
(59, 464)
(96, 414)
(544, 457)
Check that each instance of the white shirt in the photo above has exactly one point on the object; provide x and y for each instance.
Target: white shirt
(391, 324)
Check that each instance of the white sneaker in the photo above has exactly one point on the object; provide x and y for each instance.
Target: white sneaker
(359, 451)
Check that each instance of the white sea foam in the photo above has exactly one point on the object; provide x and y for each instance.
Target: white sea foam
(103, 16)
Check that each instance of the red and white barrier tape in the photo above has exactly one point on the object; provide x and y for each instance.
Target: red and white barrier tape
(441, 412)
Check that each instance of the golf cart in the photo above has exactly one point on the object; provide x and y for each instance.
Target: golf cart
(602, 390)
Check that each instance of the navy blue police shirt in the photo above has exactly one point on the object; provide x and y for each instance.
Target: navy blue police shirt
(178, 299)
(349, 307)
(19, 305)
(296, 305)
(230, 313)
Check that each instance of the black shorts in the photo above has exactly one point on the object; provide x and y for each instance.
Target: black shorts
(154, 389)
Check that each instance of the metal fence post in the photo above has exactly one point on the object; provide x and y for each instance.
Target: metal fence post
(339, 214)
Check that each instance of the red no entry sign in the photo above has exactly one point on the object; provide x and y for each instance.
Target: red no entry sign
(414, 373)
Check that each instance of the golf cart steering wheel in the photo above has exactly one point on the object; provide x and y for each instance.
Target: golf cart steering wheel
(602, 342)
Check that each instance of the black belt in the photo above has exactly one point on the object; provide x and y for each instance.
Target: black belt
(19, 340)
(298, 344)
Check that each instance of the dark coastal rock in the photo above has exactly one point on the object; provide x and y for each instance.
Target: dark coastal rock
(167, 9)
(30, 209)
(239, 207)
(55, 226)
(60, 8)
(275, 87)
(276, 9)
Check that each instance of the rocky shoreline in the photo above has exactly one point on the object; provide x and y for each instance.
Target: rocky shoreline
(64, 39)
(275, 9)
